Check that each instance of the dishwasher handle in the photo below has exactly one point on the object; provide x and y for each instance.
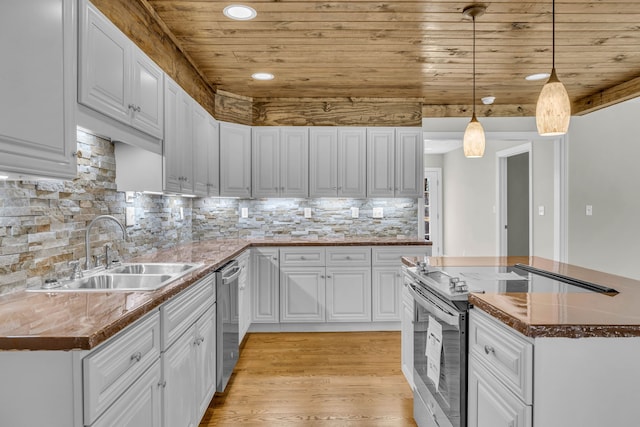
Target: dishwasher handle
(230, 273)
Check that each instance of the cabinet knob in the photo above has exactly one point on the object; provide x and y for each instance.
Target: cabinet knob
(328, 276)
(136, 356)
(348, 257)
(302, 258)
(275, 258)
(162, 384)
(322, 276)
(488, 349)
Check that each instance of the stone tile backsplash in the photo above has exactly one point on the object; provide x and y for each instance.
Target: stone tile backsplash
(43, 223)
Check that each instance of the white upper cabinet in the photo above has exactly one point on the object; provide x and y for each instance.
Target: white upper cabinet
(323, 162)
(38, 86)
(280, 162)
(352, 152)
(178, 143)
(380, 162)
(409, 162)
(115, 77)
(207, 153)
(394, 162)
(235, 160)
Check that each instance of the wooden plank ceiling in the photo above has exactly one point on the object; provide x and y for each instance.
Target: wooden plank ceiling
(418, 50)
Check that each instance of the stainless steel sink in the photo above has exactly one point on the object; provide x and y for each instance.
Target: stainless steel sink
(126, 277)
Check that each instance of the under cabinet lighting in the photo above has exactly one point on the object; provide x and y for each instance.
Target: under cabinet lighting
(262, 76)
(4, 176)
(239, 12)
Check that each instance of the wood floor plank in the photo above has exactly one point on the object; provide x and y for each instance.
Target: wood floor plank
(316, 379)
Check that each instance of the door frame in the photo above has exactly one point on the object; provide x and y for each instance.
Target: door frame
(501, 196)
(437, 248)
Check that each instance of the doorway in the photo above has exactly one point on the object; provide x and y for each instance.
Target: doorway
(514, 201)
(430, 210)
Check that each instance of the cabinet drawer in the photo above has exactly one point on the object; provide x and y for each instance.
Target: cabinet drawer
(507, 355)
(349, 257)
(302, 257)
(391, 255)
(111, 369)
(177, 315)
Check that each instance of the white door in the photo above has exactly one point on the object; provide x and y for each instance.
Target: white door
(302, 294)
(348, 294)
(235, 160)
(147, 95)
(409, 158)
(386, 290)
(139, 406)
(380, 162)
(105, 66)
(205, 360)
(179, 393)
(265, 286)
(323, 162)
(265, 152)
(294, 162)
(352, 162)
(430, 211)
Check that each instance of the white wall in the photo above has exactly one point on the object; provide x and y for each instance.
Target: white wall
(604, 155)
(469, 187)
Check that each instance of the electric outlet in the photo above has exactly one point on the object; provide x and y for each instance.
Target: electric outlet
(181, 213)
(130, 216)
(378, 213)
(245, 212)
(355, 212)
(307, 212)
(541, 210)
(589, 210)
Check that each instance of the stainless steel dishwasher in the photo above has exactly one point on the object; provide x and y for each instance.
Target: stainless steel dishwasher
(226, 322)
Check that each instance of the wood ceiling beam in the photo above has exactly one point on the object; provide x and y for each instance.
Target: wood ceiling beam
(607, 97)
(507, 110)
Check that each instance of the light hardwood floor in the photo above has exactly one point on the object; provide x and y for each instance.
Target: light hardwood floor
(316, 379)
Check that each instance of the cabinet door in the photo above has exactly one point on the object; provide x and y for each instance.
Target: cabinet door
(147, 95)
(179, 393)
(235, 160)
(265, 286)
(171, 157)
(213, 156)
(104, 65)
(302, 294)
(407, 335)
(348, 294)
(201, 145)
(185, 141)
(352, 156)
(205, 361)
(139, 406)
(38, 87)
(387, 293)
(409, 160)
(491, 404)
(294, 162)
(323, 162)
(265, 152)
(380, 162)
(244, 295)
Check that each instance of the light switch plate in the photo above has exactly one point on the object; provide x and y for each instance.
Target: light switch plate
(589, 210)
(307, 212)
(355, 212)
(378, 213)
(245, 212)
(541, 210)
(130, 216)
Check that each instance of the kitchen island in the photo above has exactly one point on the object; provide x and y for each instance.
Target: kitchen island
(547, 359)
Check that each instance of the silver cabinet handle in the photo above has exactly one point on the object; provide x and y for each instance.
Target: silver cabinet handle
(162, 384)
(136, 356)
(322, 276)
(488, 349)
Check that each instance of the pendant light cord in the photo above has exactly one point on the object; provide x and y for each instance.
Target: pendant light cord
(553, 33)
(473, 101)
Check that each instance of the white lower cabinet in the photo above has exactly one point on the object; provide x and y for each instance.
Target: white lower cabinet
(244, 294)
(302, 294)
(139, 406)
(406, 349)
(348, 294)
(179, 394)
(387, 292)
(265, 285)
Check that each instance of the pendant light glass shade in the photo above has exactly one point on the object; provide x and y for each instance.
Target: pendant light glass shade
(473, 141)
(553, 110)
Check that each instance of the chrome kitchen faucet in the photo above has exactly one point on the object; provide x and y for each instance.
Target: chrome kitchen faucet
(87, 243)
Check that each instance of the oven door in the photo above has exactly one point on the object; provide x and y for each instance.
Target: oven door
(442, 404)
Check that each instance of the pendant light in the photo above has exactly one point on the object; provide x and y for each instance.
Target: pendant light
(473, 142)
(553, 110)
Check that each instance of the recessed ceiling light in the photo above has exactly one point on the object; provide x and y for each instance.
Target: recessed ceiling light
(240, 12)
(537, 76)
(488, 100)
(262, 76)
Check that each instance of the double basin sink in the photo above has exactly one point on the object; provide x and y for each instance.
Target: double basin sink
(125, 277)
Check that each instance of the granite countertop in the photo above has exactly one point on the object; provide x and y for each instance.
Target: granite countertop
(574, 315)
(82, 320)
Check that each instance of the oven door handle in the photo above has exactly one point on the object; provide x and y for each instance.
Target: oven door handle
(452, 319)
